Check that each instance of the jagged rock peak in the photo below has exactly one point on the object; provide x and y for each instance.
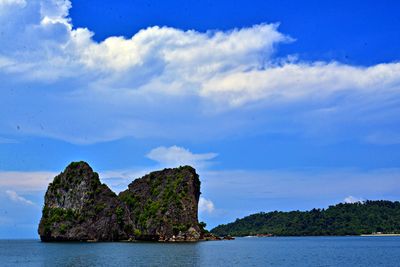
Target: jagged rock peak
(164, 204)
(78, 207)
(78, 171)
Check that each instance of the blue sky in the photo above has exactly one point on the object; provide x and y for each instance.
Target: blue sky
(279, 105)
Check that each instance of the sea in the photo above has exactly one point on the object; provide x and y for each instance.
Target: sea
(252, 251)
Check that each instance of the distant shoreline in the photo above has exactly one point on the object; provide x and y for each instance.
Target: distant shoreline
(262, 235)
(380, 235)
(368, 218)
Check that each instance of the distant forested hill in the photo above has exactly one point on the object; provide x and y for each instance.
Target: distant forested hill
(342, 219)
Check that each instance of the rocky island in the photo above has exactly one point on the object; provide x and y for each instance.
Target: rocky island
(161, 206)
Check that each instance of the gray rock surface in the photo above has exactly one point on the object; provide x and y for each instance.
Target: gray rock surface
(161, 206)
(164, 204)
(79, 208)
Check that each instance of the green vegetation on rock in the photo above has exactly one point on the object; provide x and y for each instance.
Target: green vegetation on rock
(78, 207)
(157, 206)
(164, 203)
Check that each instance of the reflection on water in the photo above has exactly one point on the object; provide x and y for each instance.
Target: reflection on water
(284, 251)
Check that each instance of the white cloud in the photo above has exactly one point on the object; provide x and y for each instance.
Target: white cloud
(26, 181)
(118, 180)
(12, 195)
(175, 156)
(55, 9)
(294, 81)
(182, 52)
(206, 205)
(166, 82)
(351, 199)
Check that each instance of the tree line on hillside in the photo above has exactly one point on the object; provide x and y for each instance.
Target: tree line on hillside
(342, 219)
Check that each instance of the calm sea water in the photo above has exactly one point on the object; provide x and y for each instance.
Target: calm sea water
(276, 251)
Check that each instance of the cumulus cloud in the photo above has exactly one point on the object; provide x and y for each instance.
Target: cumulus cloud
(185, 52)
(206, 205)
(175, 156)
(195, 81)
(13, 196)
(351, 200)
(291, 82)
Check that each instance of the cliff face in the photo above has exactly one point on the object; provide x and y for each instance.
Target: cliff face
(78, 207)
(161, 206)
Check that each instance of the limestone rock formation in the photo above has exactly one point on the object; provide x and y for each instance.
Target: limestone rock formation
(161, 206)
(79, 208)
